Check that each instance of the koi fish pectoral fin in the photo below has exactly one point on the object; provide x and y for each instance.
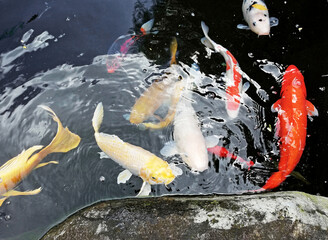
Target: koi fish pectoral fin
(145, 190)
(45, 164)
(175, 170)
(12, 193)
(127, 116)
(246, 86)
(124, 176)
(212, 140)
(311, 109)
(274, 21)
(243, 26)
(169, 149)
(276, 106)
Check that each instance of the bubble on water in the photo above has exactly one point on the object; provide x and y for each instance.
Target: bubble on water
(322, 89)
(68, 19)
(7, 217)
(193, 14)
(251, 55)
(102, 179)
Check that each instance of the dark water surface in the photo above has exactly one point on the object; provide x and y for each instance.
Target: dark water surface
(64, 67)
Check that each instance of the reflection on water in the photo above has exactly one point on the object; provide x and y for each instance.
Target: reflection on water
(37, 68)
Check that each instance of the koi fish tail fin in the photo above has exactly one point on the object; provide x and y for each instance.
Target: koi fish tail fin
(146, 27)
(275, 180)
(206, 40)
(205, 28)
(173, 50)
(64, 140)
(98, 117)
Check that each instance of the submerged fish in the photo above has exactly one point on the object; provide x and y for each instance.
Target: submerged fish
(257, 17)
(122, 46)
(17, 168)
(224, 153)
(135, 160)
(189, 141)
(292, 109)
(169, 88)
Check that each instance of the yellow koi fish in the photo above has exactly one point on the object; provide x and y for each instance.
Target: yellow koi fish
(136, 160)
(17, 168)
(154, 96)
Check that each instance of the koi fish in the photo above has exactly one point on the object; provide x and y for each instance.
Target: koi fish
(233, 75)
(224, 153)
(292, 109)
(17, 168)
(135, 160)
(154, 96)
(189, 141)
(123, 44)
(257, 17)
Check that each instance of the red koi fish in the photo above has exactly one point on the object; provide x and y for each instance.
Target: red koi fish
(123, 44)
(224, 153)
(292, 109)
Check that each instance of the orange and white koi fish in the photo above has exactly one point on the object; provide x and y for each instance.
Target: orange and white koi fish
(158, 92)
(224, 153)
(135, 160)
(256, 15)
(123, 44)
(292, 109)
(17, 168)
(233, 77)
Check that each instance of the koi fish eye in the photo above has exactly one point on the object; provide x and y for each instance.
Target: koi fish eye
(254, 24)
(296, 83)
(153, 178)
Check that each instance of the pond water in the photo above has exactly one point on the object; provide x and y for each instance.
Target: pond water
(54, 53)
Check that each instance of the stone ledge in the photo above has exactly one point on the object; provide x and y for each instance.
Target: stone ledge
(279, 215)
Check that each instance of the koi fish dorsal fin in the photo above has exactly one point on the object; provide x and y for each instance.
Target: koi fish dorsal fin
(23, 156)
(64, 140)
(98, 117)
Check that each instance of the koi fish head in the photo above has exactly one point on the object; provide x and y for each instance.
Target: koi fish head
(157, 171)
(293, 78)
(260, 23)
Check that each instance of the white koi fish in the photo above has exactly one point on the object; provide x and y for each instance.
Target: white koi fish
(136, 160)
(257, 17)
(189, 141)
